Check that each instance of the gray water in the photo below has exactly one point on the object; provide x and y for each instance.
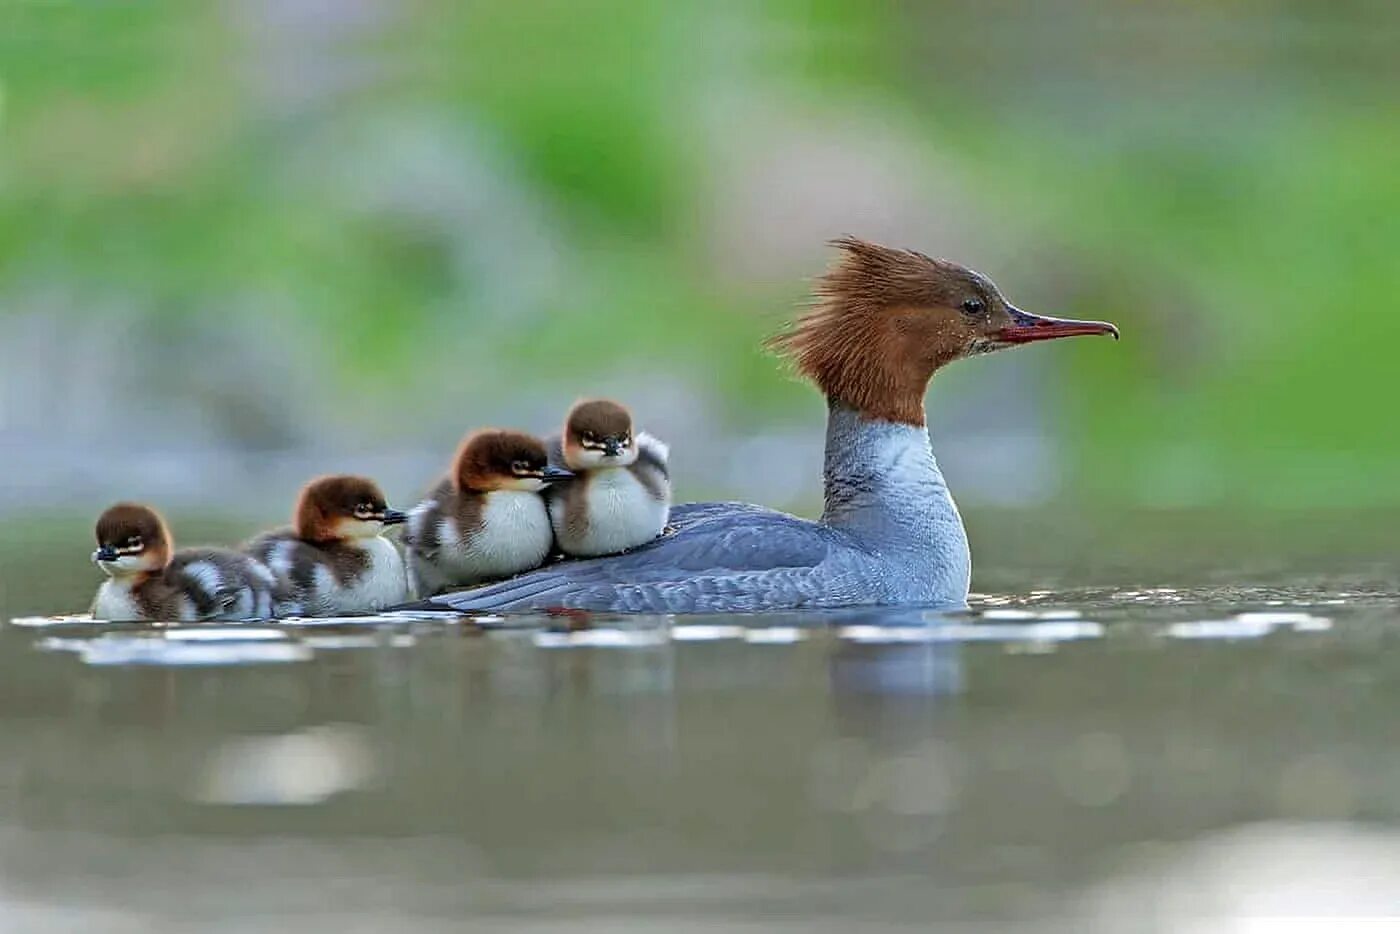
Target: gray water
(1192, 758)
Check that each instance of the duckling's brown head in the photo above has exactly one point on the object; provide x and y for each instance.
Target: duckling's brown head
(493, 459)
(883, 320)
(131, 539)
(342, 507)
(598, 433)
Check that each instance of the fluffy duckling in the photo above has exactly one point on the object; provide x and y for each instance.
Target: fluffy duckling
(487, 518)
(334, 560)
(621, 494)
(148, 581)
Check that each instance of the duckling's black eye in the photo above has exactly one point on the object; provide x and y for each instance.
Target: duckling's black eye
(974, 306)
(589, 437)
(520, 466)
(133, 542)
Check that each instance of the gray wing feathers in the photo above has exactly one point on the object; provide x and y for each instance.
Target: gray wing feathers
(218, 581)
(420, 532)
(651, 467)
(721, 555)
(653, 453)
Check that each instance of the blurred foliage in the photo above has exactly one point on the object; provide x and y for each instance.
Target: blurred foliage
(1220, 179)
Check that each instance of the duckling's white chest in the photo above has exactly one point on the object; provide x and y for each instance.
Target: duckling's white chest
(115, 602)
(383, 582)
(618, 513)
(512, 535)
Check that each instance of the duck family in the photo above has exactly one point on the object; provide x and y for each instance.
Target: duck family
(584, 521)
(487, 519)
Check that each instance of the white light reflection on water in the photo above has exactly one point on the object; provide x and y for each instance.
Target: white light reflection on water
(39, 622)
(600, 639)
(123, 649)
(395, 640)
(1318, 878)
(224, 634)
(391, 616)
(209, 646)
(702, 633)
(774, 635)
(1248, 626)
(1024, 629)
(959, 632)
(301, 768)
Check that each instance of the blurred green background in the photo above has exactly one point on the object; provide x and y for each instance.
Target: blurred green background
(246, 241)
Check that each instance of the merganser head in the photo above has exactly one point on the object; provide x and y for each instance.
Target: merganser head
(342, 507)
(883, 320)
(131, 539)
(492, 459)
(598, 433)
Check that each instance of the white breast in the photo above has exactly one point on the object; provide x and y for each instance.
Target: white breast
(383, 584)
(622, 514)
(514, 536)
(115, 603)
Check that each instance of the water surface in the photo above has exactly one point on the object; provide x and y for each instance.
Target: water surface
(1109, 758)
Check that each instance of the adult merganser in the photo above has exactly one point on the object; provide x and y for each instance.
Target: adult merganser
(486, 519)
(883, 321)
(147, 583)
(334, 560)
(621, 492)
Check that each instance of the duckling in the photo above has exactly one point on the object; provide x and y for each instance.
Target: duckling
(487, 518)
(147, 582)
(621, 494)
(334, 560)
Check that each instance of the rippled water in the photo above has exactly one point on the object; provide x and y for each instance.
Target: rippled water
(1114, 759)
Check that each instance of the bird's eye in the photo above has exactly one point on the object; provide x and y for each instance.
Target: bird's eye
(974, 306)
(520, 466)
(133, 542)
(589, 437)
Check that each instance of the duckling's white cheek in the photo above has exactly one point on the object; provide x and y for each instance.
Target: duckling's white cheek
(125, 564)
(587, 458)
(359, 528)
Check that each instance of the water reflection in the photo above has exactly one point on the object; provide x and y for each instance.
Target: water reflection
(1267, 876)
(922, 668)
(299, 768)
(1031, 763)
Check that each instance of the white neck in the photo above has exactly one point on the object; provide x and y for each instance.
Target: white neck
(884, 487)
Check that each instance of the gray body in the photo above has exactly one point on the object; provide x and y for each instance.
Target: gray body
(198, 585)
(890, 534)
(332, 578)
